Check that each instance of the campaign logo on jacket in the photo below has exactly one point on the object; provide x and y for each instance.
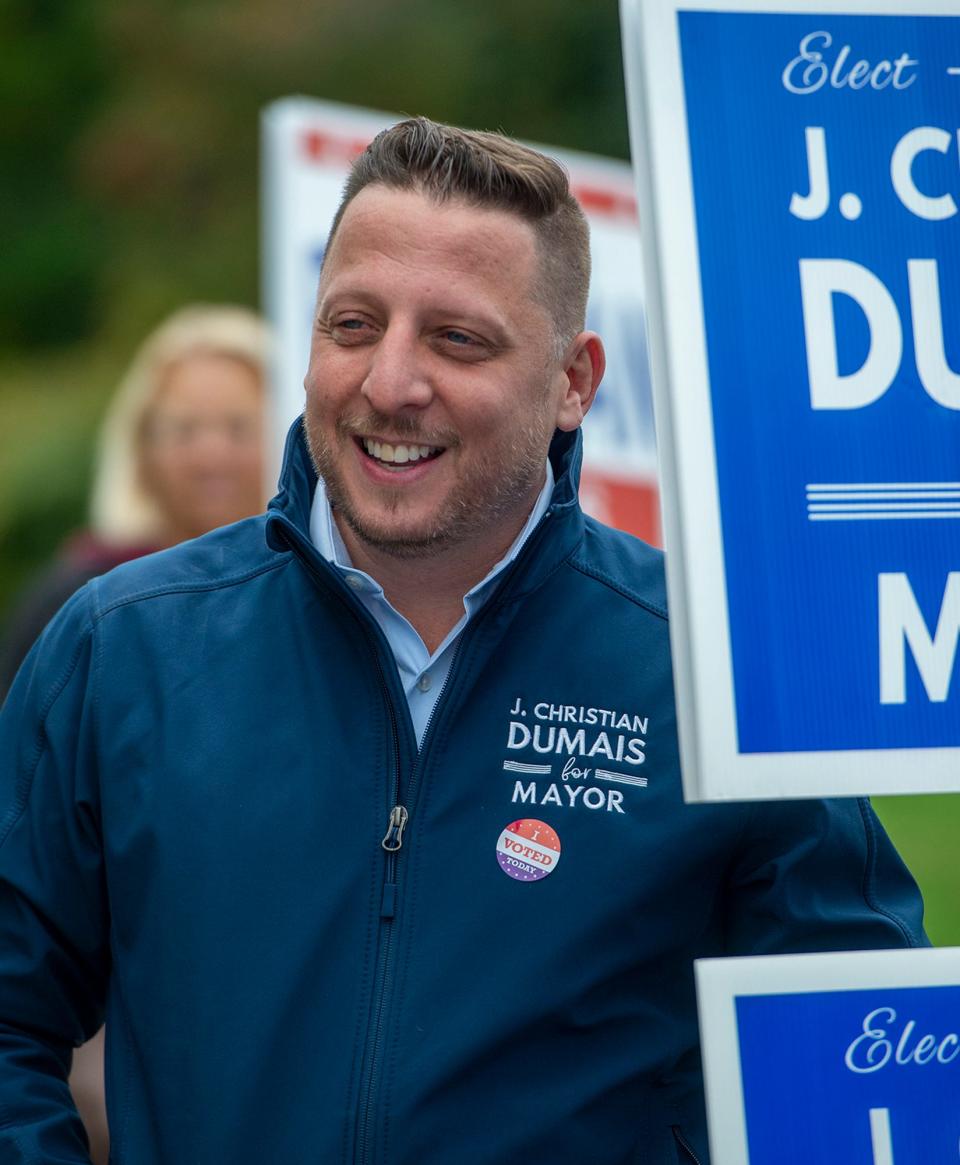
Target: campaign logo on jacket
(581, 756)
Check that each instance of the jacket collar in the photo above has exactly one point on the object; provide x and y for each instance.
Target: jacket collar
(559, 532)
(290, 508)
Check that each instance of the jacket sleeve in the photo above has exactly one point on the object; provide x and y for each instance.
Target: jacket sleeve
(54, 953)
(820, 876)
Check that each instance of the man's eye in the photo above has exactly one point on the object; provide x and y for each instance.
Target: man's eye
(350, 330)
(460, 338)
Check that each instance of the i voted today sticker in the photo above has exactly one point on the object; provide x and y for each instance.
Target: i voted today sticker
(528, 850)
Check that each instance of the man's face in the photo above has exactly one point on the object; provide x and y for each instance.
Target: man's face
(434, 384)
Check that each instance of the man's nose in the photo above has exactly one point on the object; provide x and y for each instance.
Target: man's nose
(397, 377)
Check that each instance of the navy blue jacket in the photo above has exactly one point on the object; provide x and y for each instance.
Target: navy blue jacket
(200, 759)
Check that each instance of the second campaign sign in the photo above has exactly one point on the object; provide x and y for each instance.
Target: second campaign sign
(799, 173)
(835, 1059)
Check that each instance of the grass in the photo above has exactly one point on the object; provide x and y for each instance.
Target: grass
(926, 830)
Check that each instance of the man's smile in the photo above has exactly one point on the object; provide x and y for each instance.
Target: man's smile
(398, 453)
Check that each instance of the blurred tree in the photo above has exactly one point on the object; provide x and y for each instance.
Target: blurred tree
(130, 131)
(52, 78)
(130, 139)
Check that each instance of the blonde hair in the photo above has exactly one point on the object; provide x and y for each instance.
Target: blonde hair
(121, 509)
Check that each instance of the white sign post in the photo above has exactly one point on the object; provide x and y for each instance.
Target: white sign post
(799, 178)
(307, 150)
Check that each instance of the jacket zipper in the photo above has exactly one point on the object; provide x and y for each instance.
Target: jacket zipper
(391, 845)
(685, 1144)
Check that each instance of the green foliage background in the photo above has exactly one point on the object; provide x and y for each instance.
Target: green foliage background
(129, 153)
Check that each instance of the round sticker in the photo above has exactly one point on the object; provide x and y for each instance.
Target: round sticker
(528, 850)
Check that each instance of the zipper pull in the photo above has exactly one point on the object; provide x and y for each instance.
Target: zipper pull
(393, 839)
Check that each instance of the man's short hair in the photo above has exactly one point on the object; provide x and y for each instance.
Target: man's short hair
(491, 171)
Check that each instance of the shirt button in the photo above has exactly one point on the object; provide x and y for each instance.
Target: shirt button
(355, 582)
(424, 682)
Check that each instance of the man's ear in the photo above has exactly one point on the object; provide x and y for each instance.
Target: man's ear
(582, 373)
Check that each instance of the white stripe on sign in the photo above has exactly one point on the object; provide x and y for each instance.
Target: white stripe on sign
(620, 778)
(884, 517)
(884, 485)
(887, 507)
(866, 495)
(518, 766)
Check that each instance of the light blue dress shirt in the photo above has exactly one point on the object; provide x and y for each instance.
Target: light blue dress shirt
(422, 675)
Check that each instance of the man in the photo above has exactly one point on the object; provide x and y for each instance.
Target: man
(363, 820)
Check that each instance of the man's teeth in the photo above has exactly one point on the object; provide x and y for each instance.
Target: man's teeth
(398, 454)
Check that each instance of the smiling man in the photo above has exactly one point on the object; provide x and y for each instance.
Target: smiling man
(362, 821)
(438, 375)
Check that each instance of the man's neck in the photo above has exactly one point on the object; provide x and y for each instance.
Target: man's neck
(428, 591)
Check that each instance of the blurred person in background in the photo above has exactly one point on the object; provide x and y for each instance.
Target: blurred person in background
(181, 452)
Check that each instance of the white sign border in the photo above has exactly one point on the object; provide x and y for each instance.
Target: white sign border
(713, 767)
(720, 982)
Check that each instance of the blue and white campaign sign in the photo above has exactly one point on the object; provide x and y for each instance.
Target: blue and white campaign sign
(307, 150)
(799, 170)
(838, 1059)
